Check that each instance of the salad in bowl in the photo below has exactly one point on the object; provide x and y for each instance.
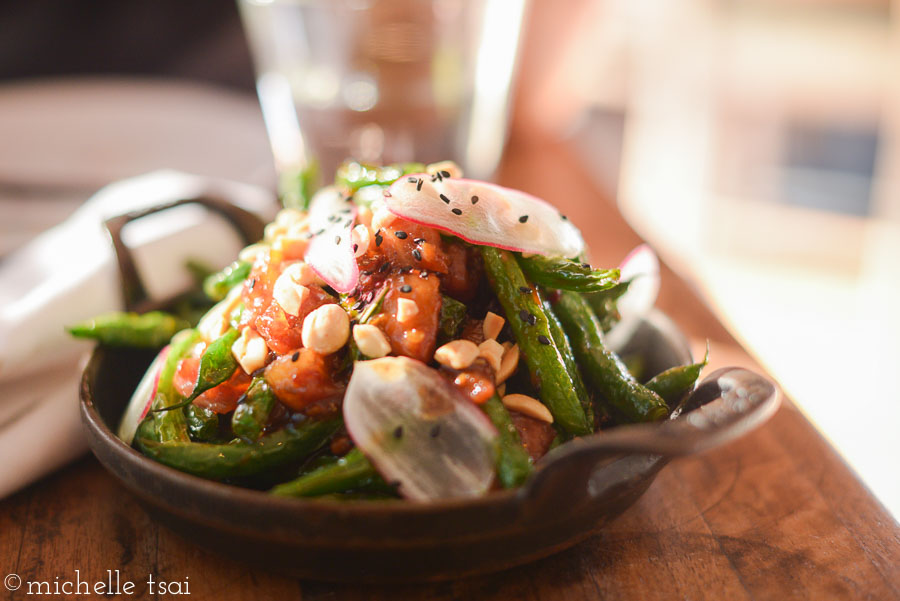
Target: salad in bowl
(406, 333)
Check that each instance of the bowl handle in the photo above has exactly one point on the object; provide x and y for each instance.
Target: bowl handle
(248, 225)
(728, 403)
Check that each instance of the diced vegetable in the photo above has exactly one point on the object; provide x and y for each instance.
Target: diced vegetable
(330, 252)
(641, 269)
(143, 396)
(486, 214)
(418, 430)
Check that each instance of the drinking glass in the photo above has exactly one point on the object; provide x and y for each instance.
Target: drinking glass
(384, 81)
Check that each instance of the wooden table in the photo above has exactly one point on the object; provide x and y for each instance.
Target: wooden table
(776, 515)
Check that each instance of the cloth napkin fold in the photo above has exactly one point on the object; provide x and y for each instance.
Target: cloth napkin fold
(69, 273)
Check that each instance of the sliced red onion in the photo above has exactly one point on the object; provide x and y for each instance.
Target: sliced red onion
(418, 430)
(330, 252)
(485, 214)
(142, 398)
(641, 266)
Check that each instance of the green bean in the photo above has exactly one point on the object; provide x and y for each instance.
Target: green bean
(351, 472)
(453, 313)
(525, 313)
(171, 425)
(203, 423)
(568, 356)
(513, 461)
(199, 271)
(676, 382)
(235, 460)
(564, 274)
(252, 412)
(217, 286)
(603, 367)
(147, 429)
(149, 330)
(217, 364)
(353, 175)
(296, 187)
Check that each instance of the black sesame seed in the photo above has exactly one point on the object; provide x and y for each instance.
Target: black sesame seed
(417, 254)
(378, 239)
(474, 199)
(405, 269)
(523, 315)
(532, 319)
(405, 288)
(411, 180)
(444, 198)
(384, 267)
(543, 340)
(439, 176)
(349, 198)
(524, 289)
(435, 431)
(337, 239)
(355, 247)
(295, 356)
(398, 432)
(523, 218)
(457, 211)
(586, 265)
(419, 185)
(419, 240)
(320, 232)
(445, 173)
(252, 284)
(400, 234)
(564, 218)
(367, 272)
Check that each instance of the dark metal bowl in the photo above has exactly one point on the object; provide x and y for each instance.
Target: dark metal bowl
(380, 541)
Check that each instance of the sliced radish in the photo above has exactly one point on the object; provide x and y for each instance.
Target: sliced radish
(330, 252)
(142, 398)
(418, 430)
(641, 267)
(486, 214)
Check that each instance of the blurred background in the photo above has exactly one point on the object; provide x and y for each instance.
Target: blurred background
(755, 144)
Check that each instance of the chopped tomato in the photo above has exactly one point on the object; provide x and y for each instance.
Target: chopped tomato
(537, 436)
(404, 244)
(280, 330)
(464, 273)
(221, 399)
(476, 381)
(302, 377)
(415, 336)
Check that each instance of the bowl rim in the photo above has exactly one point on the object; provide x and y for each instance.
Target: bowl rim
(93, 421)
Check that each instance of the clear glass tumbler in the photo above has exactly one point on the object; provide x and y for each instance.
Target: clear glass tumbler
(384, 80)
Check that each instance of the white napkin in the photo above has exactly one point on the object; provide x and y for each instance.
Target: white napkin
(68, 274)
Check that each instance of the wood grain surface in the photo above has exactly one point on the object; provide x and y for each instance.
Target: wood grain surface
(776, 515)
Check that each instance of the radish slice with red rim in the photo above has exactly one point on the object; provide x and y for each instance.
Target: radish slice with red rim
(330, 252)
(418, 430)
(641, 268)
(486, 214)
(142, 398)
